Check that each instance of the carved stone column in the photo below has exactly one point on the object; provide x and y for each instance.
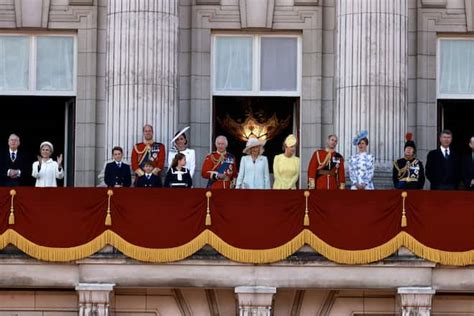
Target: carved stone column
(255, 300)
(371, 78)
(416, 301)
(94, 299)
(141, 71)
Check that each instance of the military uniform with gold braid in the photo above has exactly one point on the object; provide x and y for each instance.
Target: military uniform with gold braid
(326, 170)
(220, 169)
(408, 172)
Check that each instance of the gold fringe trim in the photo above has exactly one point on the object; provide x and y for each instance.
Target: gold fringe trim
(253, 255)
(263, 256)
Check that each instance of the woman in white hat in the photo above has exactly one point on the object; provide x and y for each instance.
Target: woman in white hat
(46, 170)
(253, 171)
(179, 144)
(286, 166)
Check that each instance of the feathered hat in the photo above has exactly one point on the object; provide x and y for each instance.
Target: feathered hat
(362, 134)
(409, 141)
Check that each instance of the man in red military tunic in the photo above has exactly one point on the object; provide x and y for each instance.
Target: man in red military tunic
(220, 167)
(148, 150)
(326, 168)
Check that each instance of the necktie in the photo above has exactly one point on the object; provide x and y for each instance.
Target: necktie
(13, 156)
(446, 155)
(119, 164)
(148, 177)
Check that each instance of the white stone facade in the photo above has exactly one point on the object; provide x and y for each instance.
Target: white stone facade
(110, 110)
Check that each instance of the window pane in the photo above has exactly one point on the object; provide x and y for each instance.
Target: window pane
(233, 64)
(457, 67)
(279, 60)
(14, 62)
(55, 59)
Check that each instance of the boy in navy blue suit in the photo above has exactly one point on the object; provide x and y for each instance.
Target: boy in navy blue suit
(117, 173)
(149, 180)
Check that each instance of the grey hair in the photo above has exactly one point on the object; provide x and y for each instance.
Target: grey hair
(222, 137)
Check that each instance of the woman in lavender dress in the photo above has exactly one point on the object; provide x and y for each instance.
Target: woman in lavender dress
(361, 165)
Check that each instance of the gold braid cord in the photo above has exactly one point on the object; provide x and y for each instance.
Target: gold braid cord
(11, 217)
(208, 210)
(108, 217)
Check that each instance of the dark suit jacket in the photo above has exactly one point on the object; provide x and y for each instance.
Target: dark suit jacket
(442, 172)
(153, 182)
(468, 171)
(115, 175)
(20, 163)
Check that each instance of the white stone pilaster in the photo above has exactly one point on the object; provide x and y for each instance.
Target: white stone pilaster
(416, 301)
(371, 77)
(255, 300)
(94, 298)
(141, 71)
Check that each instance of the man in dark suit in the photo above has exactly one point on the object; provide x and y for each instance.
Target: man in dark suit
(13, 165)
(117, 173)
(468, 167)
(442, 165)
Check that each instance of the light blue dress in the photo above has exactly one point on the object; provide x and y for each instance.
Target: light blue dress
(361, 170)
(253, 175)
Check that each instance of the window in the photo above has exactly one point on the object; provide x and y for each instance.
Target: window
(456, 68)
(256, 65)
(37, 65)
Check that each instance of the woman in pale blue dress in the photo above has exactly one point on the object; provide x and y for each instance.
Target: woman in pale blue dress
(361, 165)
(253, 170)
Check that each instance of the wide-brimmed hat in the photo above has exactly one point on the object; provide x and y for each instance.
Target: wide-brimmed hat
(181, 132)
(290, 140)
(360, 136)
(46, 143)
(253, 142)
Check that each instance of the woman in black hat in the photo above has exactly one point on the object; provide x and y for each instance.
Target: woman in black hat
(408, 172)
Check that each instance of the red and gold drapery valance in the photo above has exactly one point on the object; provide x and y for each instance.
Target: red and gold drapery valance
(253, 226)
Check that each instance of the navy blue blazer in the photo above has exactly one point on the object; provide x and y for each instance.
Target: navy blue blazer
(115, 175)
(20, 163)
(153, 182)
(443, 173)
(468, 171)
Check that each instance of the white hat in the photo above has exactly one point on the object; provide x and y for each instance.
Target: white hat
(46, 143)
(290, 140)
(253, 142)
(181, 132)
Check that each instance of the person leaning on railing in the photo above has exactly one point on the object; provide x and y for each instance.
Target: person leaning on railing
(46, 170)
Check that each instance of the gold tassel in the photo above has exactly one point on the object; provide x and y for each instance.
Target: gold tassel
(11, 218)
(108, 218)
(306, 216)
(404, 216)
(208, 211)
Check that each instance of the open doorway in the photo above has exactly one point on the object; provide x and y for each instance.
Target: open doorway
(273, 119)
(457, 116)
(36, 119)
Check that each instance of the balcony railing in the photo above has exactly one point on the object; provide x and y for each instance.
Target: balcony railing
(252, 226)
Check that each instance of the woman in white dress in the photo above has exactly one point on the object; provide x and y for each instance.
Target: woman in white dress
(46, 170)
(253, 170)
(179, 145)
(361, 165)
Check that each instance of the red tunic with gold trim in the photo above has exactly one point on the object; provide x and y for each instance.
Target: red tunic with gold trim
(220, 169)
(326, 170)
(151, 151)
